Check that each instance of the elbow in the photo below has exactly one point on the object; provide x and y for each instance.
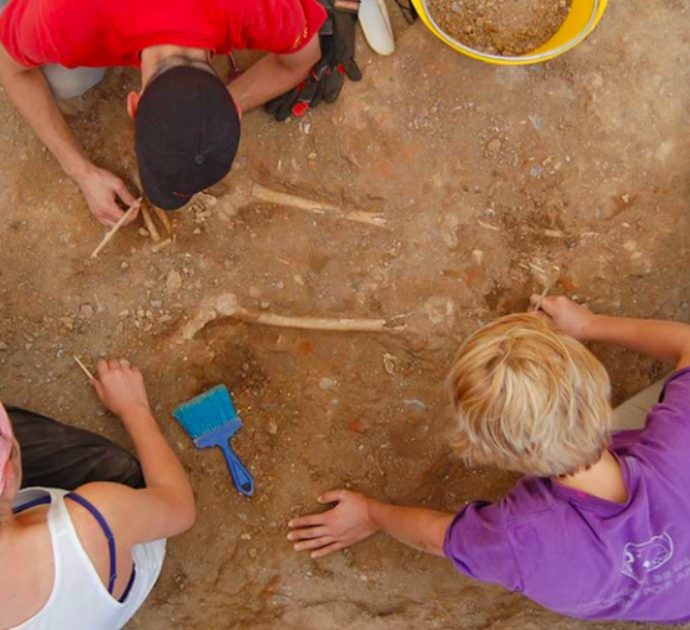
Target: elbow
(313, 52)
(188, 517)
(299, 64)
(185, 515)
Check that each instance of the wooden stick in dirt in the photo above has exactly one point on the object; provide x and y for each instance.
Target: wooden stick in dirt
(163, 218)
(156, 247)
(120, 222)
(90, 376)
(318, 207)
(148, 221)
(540, 301)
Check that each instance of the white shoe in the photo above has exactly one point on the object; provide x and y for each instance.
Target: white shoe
(376, 25)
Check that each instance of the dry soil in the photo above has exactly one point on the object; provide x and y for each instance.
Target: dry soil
(503, 27)
(492, 181)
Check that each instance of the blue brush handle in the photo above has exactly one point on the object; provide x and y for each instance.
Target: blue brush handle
(220, 437)
(243, 481)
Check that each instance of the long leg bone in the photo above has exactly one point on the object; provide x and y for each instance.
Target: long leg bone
(226, 305)
(318, 207)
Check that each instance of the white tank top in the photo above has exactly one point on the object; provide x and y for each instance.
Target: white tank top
(79, 600)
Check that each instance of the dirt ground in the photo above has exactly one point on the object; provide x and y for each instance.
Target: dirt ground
(488, 178)
(504, 27)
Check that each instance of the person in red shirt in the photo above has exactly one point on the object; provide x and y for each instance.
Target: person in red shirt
(187, 121)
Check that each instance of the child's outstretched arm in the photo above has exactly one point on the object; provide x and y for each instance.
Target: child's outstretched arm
(356, 517)
(663, 340)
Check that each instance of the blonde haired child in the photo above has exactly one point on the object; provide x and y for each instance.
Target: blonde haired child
(597, 528)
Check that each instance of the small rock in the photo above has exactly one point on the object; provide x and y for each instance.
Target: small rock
(418, 405)
(67, 322)
(272, 427)
(312, 156)
(298, 279)
(327, 383)
(357, 426)
(477, 257)
(143, 231)
(389, 363)
(3, 346)
(164, 319)
(86, 311)
(124, 266)
(253, 553)
(494, 146)
(174, 281)
(156, 303)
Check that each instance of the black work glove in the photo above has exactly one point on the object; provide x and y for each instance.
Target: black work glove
(326, 79)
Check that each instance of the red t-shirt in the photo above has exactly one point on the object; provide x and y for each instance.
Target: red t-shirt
(100, 33)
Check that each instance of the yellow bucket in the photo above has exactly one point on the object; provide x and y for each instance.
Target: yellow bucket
(582, 19)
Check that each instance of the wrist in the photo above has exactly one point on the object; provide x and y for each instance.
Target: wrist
(78, 168)
(375, 514)
(136, 412)
(589, 328)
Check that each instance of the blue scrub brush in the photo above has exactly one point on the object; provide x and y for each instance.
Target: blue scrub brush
(210, 419)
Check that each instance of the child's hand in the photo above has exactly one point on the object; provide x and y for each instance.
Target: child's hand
(345, 524)
(571, 318)
(120, 387)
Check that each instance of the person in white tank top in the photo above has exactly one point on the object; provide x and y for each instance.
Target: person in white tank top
(57, 571)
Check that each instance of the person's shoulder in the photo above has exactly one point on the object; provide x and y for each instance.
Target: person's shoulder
(529, 497)
(676, 391)
(96, 504)
(668, 422)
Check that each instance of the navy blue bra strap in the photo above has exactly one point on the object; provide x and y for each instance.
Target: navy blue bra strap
(106, 531)
(129, 586)
(33, 503)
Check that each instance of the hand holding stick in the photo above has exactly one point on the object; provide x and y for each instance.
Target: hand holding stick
(121, 221)
(540, 301)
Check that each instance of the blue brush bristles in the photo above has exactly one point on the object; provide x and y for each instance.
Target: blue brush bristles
(207, 412)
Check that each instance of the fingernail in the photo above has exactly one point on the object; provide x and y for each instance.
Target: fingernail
(290, 523)
(289, 536)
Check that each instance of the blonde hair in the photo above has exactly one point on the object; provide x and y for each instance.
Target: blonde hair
(529, 398)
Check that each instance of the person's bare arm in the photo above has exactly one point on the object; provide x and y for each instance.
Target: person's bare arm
(30, 93)
(662, 340)
(273, 75)
(166, 506)
(356, 517)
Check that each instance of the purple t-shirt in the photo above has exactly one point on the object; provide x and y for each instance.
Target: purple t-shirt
(586, 557)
